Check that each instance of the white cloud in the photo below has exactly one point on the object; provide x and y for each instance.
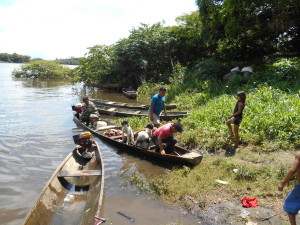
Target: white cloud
(64, 28)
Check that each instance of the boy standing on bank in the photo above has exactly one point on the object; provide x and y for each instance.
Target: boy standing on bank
(157, 105)
(292, 201)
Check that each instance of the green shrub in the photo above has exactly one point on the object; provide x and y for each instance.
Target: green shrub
(136, 122)
(43, 69)
(147, 90)
(209, 68)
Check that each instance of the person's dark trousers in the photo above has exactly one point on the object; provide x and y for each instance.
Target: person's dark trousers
(86, 121)
(170, 143)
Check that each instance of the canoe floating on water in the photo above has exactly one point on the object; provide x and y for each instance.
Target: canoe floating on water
(114, 111)
(185, 156)
(77, 183)
(100, 102)
(130, 93)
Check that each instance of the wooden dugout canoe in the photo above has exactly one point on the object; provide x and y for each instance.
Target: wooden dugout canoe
(130, 93)
(100, 102)
(185, 156)
(113, 111)
(74, 193)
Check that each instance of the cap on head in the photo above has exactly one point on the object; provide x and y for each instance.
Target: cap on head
(85, 98)
(178, 126)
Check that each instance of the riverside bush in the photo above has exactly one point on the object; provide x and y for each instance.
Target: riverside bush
(43, 69)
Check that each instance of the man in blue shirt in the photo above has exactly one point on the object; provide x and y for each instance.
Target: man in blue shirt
(157, 105)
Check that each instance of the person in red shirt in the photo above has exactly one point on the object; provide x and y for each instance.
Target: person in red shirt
(164, 134)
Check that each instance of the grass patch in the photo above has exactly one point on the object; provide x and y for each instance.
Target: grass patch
(266, 123)
(187, 187)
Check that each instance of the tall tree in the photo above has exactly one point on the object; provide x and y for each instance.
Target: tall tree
(146, 54)
(96, 64)
(245, 29)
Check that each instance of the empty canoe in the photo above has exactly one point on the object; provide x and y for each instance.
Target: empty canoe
(122, 112)
(130, 93)
(74, 193)
(100, 102)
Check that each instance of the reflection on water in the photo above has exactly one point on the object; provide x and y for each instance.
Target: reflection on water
(36, 135)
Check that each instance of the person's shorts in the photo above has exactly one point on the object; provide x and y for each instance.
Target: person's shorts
(156, 119)
(94, 116)
(292, 201)
(237, 120)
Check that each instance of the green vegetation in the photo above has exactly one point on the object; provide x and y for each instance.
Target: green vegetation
(270, 125)
(198, 186)
(190, 59)
(271, 116)
(135, 122)
(43, 69)
(14, 58)
(223, 33)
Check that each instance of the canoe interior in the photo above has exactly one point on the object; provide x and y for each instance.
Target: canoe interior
(186, 157)
(71, 200)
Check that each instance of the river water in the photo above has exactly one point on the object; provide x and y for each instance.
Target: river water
(36, 135)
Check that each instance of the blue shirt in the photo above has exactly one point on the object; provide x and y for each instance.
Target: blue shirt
(158, 103)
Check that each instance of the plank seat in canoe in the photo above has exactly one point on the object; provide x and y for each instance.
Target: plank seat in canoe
(79, 173)
(111, 109)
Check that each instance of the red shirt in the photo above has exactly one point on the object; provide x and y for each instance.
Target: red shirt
(164, 131)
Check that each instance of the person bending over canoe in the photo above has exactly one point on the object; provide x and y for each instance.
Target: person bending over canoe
(157, 105)
(90, 112)
(164, 134)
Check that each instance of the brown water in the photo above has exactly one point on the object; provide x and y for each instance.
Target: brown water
(36, 135)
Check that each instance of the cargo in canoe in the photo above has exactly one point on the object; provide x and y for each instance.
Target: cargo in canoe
(122, 112)
(100, 102)
(74, 193)
(185, 156)
(130, 93)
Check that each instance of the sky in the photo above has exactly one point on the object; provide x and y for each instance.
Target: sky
(51, 29)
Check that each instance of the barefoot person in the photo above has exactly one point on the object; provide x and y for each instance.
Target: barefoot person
(292, 202)
(164, 134)
(157, 105)
(237, 117)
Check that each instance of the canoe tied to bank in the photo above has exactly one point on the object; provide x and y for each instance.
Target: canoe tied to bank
(100, 102)
(74, 193)
(182, 156)
(130, 93)
(122, 112)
